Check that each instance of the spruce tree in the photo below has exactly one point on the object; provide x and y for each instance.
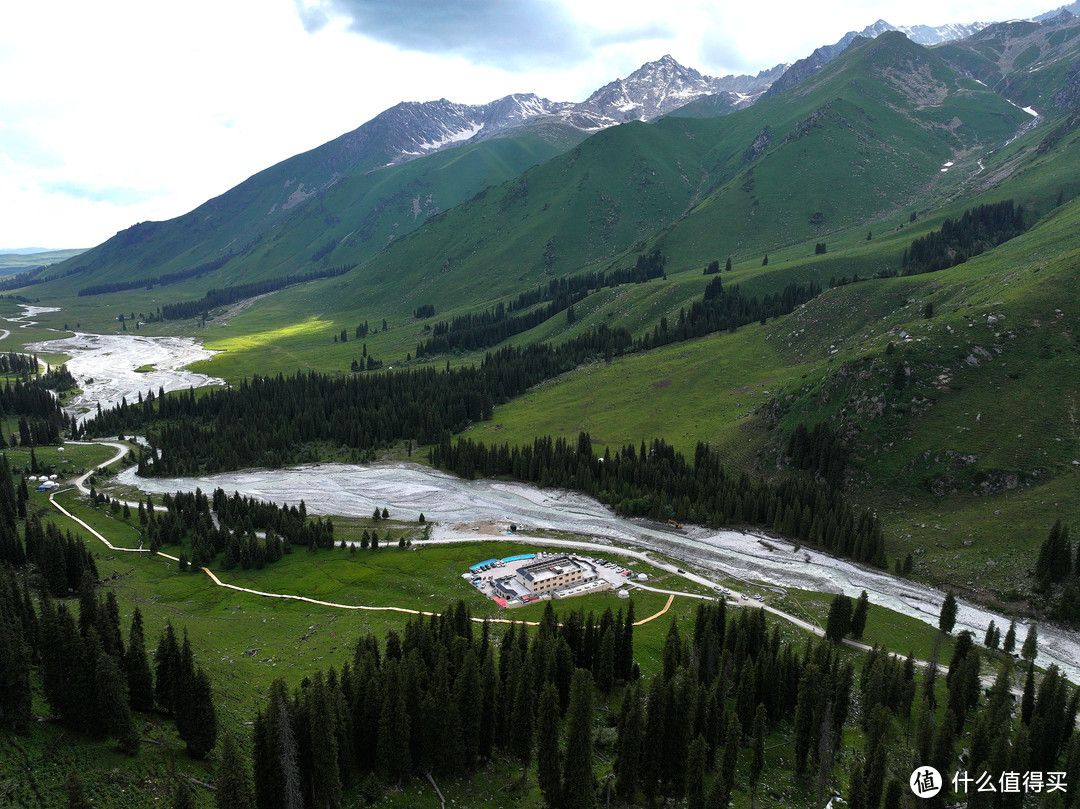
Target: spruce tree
(1030, 650)
(579, 785)
(624, 653)
(839, 621)
(605, 665)
(137, 667)
(720, 794)
(522, 716)
(232, 784)
(858, 617)
(1009, 643)
(199, 717)
(76, 792)
(15, 690)
(811, 693)
(112, 713)
(548, 773)
(490, 704)
(182, 797)
(629, 746)
(167, 669)
(757, 760)
(695, 774)
(322, 752)
(1027, 701)
(467, 702)
(947, 618)
(394, 758)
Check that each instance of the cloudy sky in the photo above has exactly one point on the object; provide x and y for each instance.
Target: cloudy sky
(121, 111)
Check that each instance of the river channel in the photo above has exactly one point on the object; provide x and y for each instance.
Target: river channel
(455, 505)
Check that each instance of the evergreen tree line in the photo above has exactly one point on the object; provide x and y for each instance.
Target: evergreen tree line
(1057, 575)
(58, 378)
(708, 711)
(41, 417)
(647, 267)
(92, 681)
(660, 483)
(369, 364)
(989, 735)
(31, 397)
(21, 279)
(819, 450)
(713, 267)
(977, 230)
(723, 689)
(55, 561)
(475, 331)
(267, 420)
(725, 309)
(439, 697)
(188, 519)
(845, 618)
(228, 295)
(59, 561)
(471, 332)
(425, 310)
(31, 277)
(160, 280)
(24, 366)
(843, 280)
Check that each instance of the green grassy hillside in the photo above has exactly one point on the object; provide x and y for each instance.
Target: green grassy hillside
(855, 143)
(273, 224)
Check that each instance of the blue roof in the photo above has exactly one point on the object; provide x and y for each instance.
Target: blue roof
(481, 564)
(519, 558)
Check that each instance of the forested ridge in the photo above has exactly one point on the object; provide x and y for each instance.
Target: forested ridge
(471, 332)
(158, 280)
(231, 294)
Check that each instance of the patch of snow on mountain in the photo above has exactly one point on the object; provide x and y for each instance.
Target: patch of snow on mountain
(452, 137)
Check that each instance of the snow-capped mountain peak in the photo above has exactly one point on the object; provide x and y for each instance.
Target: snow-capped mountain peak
(652, 90)
(656, 88)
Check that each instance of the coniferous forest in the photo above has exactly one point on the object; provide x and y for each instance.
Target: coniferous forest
(731, 709)
(658, 482)
(250, 532)
(60, 635)
(977, 230)
(231, 294)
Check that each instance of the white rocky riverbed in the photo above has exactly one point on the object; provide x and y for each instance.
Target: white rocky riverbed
(116, 366)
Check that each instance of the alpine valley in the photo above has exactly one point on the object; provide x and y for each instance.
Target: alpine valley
(836, 304)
